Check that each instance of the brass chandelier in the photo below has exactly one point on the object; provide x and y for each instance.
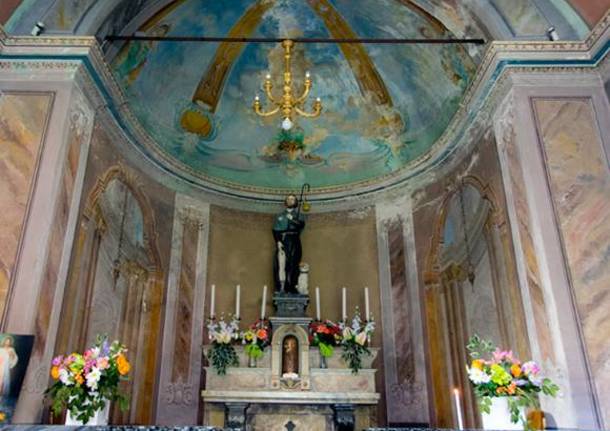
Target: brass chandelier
(288, 105)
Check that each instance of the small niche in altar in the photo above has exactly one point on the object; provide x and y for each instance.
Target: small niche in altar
(290, 362)
(290, 357)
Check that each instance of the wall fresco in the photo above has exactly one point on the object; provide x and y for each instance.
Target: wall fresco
(23, 119)
(580, 183)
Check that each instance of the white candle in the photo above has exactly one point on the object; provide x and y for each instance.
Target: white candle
(317, 303)
(237, 298)
(458, 408)
(212, 299)
(344, 304)
(367, 314)
(263, 304)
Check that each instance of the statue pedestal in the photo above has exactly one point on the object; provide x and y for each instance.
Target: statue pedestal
(290, 304)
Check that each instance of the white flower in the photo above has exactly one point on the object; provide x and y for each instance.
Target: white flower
(347, 332)
(95, 352)
(477, 376)
(535, 379)
(64, 377)
(224, 337)
(361, 338)
(93, 378)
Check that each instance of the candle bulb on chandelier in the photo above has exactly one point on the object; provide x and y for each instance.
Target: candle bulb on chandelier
(307, 74)
(268, 77)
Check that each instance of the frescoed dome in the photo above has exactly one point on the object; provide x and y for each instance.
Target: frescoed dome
(384, 105)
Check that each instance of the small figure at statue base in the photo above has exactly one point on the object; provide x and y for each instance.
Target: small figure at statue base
(303, 285)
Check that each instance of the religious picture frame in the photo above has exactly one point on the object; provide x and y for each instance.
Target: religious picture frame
(15, 351)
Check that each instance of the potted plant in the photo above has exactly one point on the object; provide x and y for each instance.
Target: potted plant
(223, 335)
(85, 384)
(505, 386)
(324, 335)
(355, 339)
(256, 338)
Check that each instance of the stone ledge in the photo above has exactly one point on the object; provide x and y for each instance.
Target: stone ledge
(287, 397)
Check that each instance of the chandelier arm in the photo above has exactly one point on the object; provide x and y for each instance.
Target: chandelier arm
(270, 95)
(315, 113)
(262, 113)
(305, 92)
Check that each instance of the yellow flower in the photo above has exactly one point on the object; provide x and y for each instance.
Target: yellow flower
(123, 364)
(2, 416)
(515, 370)
(499, 376)
(478, 364)
(55, 373)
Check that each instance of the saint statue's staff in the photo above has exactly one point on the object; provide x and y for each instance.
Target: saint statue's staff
(303, 199)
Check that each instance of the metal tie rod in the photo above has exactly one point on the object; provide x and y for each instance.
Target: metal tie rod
(382, 41)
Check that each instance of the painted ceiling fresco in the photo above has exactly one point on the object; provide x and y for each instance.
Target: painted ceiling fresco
(384, 106)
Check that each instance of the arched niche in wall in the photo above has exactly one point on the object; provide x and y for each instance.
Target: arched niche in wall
(469, 290)
(115, 284)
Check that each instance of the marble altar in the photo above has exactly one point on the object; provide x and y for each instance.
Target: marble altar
(258, 398)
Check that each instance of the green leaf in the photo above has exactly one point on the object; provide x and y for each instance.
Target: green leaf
(254, 351)
(326, 350)
(222, 356)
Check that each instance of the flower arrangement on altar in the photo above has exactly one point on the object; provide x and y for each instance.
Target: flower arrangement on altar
(223, 334)
(324, 335)
(503, 375)
(355, 339)
(256, 338)
(84, 383)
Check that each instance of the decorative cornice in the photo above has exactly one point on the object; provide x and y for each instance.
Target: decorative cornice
(480, 100)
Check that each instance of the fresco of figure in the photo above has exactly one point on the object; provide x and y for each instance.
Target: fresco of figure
(287, 235)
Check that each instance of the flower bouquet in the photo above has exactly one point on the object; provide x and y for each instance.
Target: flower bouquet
(324, 335)
(503, 377)
(256, 338)
(355, 340)
(223, 334)
(84, 383)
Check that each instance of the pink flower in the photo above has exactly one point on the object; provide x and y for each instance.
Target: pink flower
(504, 355)
(530, 368)
(102, 363)
(57, 361)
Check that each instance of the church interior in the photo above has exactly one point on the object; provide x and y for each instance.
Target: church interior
(305, 214)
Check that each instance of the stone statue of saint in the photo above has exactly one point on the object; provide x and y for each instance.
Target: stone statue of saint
(290, 355)
(286, 232)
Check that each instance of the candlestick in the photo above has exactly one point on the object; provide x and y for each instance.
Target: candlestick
(264, 303)
(458, 408)
(317, 303)
(344, 304)
(212, 299)
(367, 314)
(237, 298)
